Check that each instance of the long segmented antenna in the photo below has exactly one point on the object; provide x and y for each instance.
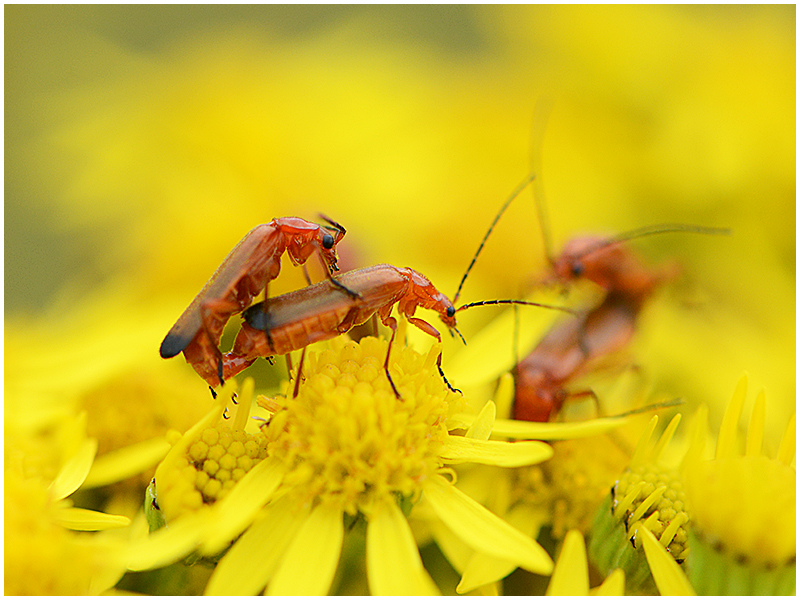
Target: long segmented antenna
(333, 225)
(522, 302)
(452, 329)
(531, 176)
(653, 230)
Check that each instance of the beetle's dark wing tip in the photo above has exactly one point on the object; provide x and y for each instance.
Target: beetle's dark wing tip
(257, 317)
(173, 345)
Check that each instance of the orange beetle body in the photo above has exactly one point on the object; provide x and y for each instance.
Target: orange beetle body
(322, 311)
(245, 273)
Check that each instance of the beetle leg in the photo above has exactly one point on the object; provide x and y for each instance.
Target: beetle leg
(305, 273)
(439, 366)
(219, 369)
(349, 320)
(216, 312)
(425, 326)
(431, 330)
(345, 289)
(288, 364)
(391, 323)
(299, 373)
(388, 352)
(583, 394)
(338, 284)
(374, 324)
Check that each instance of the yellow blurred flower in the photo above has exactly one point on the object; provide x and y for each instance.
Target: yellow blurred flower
(730, 520)
(743, 536)
(648, 495)
(43, 554)
(143, 142)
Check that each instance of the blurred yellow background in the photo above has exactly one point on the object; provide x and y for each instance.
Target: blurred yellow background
(142, 142)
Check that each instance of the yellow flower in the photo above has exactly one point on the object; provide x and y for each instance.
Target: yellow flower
(648, 495)
(43, 553)
(730, 520)
(571, 576)
(557, 495)
(344, 448)
(87, 360)
(125, 175)
(742, 537)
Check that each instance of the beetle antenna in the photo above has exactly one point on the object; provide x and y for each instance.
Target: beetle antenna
(530, 177)
(522, 302)
(452, 329)
(332, 224)
(654, 230)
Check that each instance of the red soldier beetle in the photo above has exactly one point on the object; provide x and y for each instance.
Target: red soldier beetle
(567, 349)
(245, 273)
(320, 312)
(565, 352)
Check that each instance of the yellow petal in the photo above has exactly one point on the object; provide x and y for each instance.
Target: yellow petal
(82, 519)
(504, 395)
(241, 414)
(482, 529)
(453, 547)
(126, 462)
(786, 451)
(669, 577)
(614, 585)
(482, 569)
(308, 567)
(394, 567)
(525, 430)
(248, 566)
(755, 431)
(571, 573)
(481, 427)
(238, 509)
(74, 471)
(168, 544)
(728, 430)
(459, 449)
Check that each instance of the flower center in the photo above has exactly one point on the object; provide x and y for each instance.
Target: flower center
(213, 463)
(347, 439)
(746, 506)
(656, 498)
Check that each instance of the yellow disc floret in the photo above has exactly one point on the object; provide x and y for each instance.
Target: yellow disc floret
(347, 439)
(213, 463)
(655, 497)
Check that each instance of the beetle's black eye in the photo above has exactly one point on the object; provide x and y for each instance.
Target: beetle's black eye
(327, 241)
(450, 312)
(577, 269)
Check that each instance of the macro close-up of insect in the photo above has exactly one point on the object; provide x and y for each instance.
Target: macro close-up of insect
(300, 405)
(245, 273)
(572, 347)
